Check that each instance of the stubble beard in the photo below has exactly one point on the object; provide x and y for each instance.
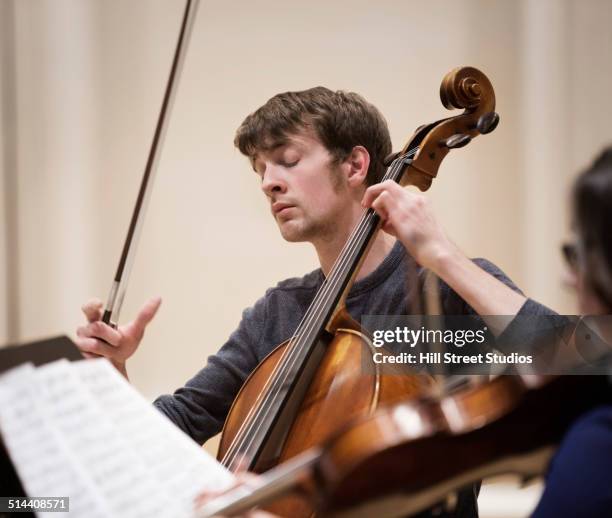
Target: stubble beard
(319, 230)
(306, 231)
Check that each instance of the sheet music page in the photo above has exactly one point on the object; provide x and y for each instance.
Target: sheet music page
(41, 457)
(175, 460)
(118, 472)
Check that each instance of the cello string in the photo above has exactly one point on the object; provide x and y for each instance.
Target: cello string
(294, 347)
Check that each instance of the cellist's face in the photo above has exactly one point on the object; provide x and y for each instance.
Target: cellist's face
(309, 196)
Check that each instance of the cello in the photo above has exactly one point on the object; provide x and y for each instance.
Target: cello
(290, 402)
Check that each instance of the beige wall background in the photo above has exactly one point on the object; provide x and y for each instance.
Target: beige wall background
(82, 82)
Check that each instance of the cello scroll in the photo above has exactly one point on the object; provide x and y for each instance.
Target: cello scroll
(464, 88)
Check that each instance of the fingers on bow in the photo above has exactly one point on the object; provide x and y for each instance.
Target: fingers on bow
(92, 310)
(98, 339)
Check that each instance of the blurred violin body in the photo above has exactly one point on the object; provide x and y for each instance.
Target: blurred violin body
(414, 455)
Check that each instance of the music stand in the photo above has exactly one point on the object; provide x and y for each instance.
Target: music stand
(38, 353)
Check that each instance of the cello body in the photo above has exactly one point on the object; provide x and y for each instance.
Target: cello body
(347, 385)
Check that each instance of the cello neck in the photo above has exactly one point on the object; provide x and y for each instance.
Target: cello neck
(332, 294)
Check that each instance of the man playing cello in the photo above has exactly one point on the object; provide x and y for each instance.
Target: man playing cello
(320, 155)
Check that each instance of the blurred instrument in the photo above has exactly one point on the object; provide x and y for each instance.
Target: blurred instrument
(418, 454)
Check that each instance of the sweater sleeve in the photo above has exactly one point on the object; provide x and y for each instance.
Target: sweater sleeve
(533, 327)
(200, 407)
(453, 304)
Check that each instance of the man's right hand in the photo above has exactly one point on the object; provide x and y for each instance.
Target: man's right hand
(98, 339)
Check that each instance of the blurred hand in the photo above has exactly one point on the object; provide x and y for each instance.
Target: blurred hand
(410, 218)
(242, 479)
(96, 339)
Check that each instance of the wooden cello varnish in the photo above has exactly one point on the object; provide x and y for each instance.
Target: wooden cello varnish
(346, 385)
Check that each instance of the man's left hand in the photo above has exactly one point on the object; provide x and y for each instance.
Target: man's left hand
(410, 218)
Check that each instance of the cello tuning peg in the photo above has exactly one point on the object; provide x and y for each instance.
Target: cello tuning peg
(487, 122)
(456, 141)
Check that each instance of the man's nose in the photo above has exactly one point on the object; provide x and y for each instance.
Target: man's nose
(273, 182)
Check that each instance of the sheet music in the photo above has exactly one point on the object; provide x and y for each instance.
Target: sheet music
(183, 467)
(80, 430)
(117, 471)
(41, 458)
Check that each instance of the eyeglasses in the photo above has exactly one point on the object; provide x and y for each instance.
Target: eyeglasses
(570, 254)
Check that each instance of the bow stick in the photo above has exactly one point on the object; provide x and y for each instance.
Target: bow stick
(119, 286)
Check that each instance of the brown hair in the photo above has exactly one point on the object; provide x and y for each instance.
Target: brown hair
(593, 218)
(341, 121)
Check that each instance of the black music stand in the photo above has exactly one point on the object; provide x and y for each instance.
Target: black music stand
(38, 353)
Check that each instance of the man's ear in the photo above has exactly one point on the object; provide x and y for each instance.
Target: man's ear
(358, 162)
